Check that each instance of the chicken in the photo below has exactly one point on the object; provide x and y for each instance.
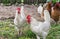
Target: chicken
(40, 28)
(19, 19)
(45, 6)
(48, 7)
(40, 8)
(55, 13)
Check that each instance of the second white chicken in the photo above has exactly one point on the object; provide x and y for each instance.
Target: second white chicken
(40, 28)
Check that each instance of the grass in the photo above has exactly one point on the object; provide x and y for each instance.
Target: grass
(7, 30)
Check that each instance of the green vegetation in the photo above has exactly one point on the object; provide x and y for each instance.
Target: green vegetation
(10, 2)
(6, 2)
(7, 30)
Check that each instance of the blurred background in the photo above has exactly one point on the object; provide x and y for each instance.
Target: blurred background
(7, 14)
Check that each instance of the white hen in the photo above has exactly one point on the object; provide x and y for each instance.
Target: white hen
(40, 9)
(19, 18)
(40, 28)
(44, 6)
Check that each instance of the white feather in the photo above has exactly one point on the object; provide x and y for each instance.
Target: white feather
(46, 15)
(40, 9)
(19, 19)
(44, 6)
(41, 28)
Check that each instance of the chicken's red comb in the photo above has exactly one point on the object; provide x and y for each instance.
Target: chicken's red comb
(28, 16)
(57, 4)
(18, 9)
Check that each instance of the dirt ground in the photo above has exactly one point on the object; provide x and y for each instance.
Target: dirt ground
(9, 11)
